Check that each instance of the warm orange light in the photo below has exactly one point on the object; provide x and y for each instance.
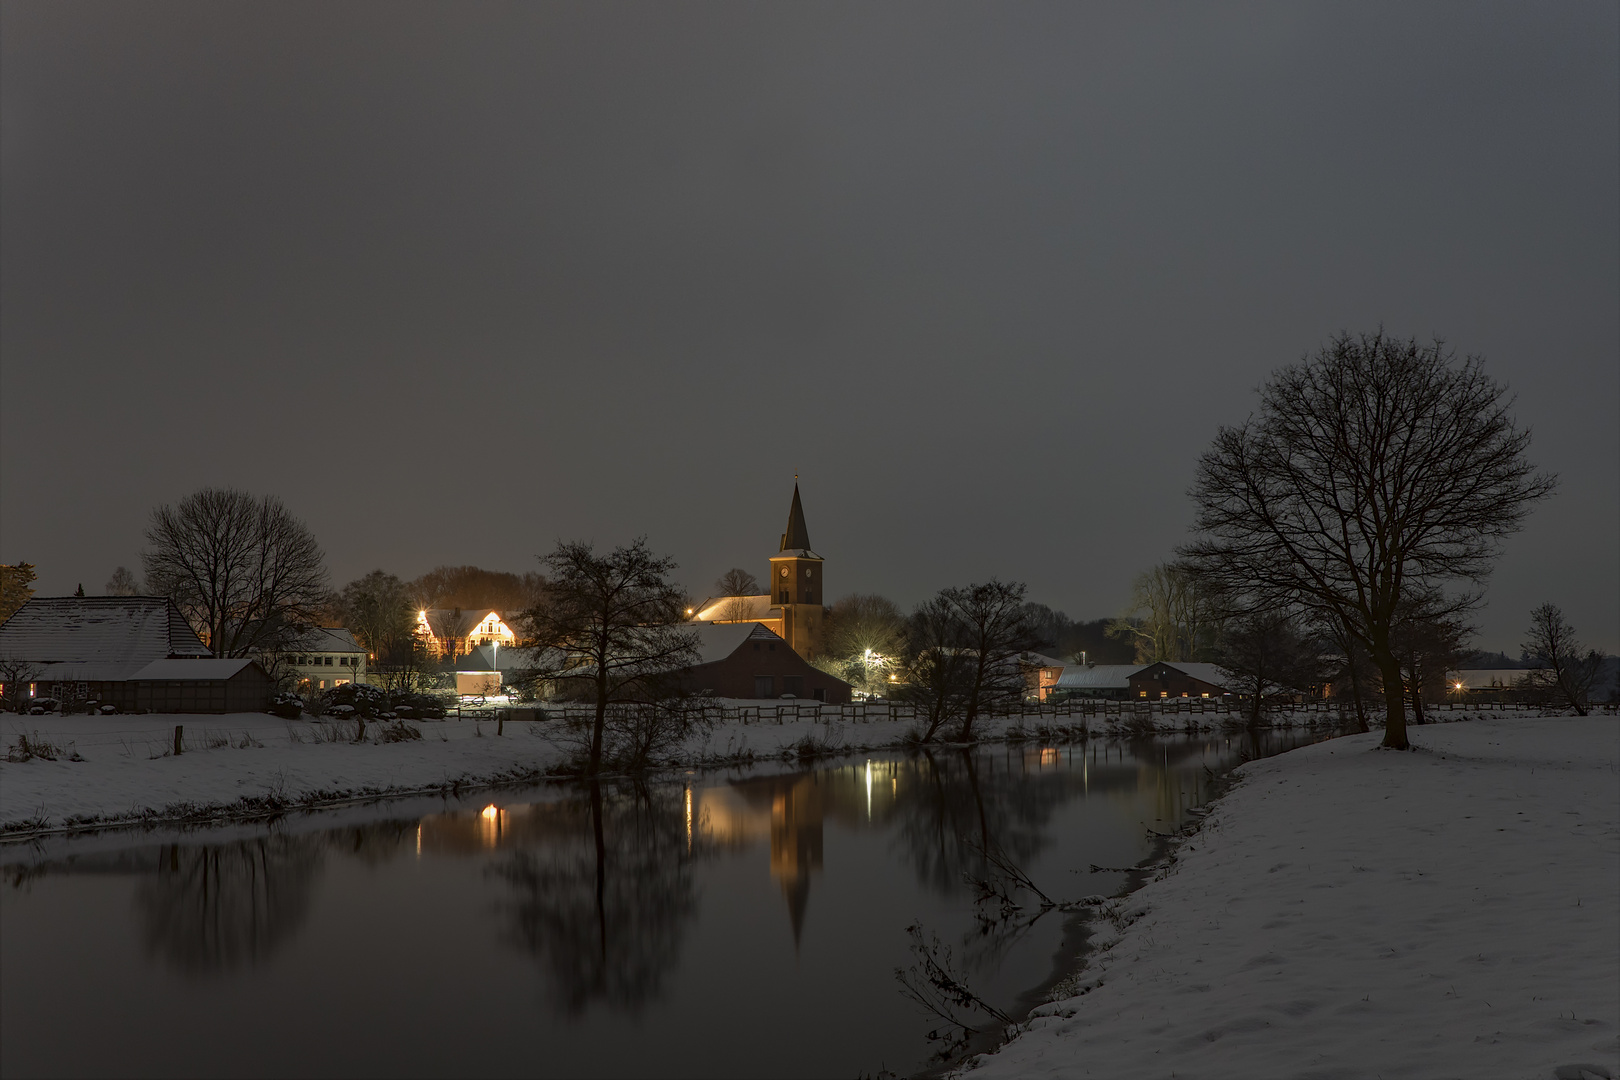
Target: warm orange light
(490, 812)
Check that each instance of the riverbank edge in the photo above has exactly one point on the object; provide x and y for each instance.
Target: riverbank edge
(1072, 962)
(269, 807)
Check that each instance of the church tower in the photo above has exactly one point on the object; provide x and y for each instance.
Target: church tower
(796, 585)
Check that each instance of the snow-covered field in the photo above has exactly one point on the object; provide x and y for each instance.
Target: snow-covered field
(1347, 911)
(128, 773)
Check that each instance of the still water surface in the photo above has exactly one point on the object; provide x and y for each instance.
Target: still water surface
(743, 924)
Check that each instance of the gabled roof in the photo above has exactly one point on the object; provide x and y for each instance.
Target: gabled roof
(1209, 673)
(716, 642)
(797, 537)
(207, 670)
(489, 658)
(325, 639)
(1097, 676)
(469, 620)
(123, 633)
(752, 609)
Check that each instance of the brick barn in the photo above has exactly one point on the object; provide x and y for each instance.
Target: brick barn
(749, 660)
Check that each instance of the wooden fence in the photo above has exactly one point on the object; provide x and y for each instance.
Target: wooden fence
(868, 712)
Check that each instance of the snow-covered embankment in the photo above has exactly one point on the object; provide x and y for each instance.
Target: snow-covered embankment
(1354, 912)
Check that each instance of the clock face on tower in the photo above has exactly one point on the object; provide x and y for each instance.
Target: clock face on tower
(784, 571)
(809, 571)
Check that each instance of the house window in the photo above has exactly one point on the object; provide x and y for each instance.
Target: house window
(1144, 693)
(328, 661)
(1164, 693)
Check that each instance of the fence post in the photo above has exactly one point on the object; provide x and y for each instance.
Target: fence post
(178, 749)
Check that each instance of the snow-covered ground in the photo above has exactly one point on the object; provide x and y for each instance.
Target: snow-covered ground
(1347, 911)
(128, 773)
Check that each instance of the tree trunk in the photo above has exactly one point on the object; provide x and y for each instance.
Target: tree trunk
(600, 722)
(1394, 695)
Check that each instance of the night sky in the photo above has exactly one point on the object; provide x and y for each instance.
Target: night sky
(458, 280)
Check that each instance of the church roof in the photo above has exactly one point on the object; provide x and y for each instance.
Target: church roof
(797, 537)
(736, 609)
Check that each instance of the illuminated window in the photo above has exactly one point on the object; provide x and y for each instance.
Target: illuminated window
(1164, 693)
(1144, 693)
(1203, 695)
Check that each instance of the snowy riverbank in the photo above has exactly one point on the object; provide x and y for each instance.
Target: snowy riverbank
(246, 764)
(1347, 911)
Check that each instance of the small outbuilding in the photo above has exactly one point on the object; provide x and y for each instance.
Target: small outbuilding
(202, 686)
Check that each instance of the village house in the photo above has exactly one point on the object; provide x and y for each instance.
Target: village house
(134, 653)
(453, 632)
(324, 657)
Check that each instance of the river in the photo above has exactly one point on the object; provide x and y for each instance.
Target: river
(737, 923)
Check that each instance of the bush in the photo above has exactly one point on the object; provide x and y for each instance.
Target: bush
(398, 732)
(373, 702)
(287, 706)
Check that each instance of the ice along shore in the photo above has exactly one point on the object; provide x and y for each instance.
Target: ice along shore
(1347, 911)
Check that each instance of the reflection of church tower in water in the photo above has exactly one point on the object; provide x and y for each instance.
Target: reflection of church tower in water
(795, 584)
(796, 813)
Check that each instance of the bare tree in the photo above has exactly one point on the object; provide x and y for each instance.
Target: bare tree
(123, 583)
(737, 582)
(377, 609)
(736, 609)
(966, 645)
(864, 640)
(244, 570)
(15, 675)
(1428, 647)
(472, 588)
(1181, 617)
(936, 664)
(1565, 665)
(613, 624)
(1265, 656)
(1375, 469)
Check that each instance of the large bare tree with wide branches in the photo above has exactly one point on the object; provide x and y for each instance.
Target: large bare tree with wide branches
(1374, 473)
(246, 572)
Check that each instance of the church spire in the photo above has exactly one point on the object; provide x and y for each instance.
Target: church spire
(797, 536)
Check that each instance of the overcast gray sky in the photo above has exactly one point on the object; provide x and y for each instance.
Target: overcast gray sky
(457, 280)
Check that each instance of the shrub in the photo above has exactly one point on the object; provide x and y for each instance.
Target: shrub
(287, 706)
(398, 732)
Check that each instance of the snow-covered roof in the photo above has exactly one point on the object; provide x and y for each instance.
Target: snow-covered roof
(489, 658)
(753, 608)
(209, 670)
(1210, 673)
(1097, 676)
(71, 672)
(1487, 678)
(333, 639)
(1042, 660)
(716, 642)
(119, 634)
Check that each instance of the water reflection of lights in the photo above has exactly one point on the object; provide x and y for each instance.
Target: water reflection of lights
(868, 789)
(490, 821)
(1049, 755)
(688, 820)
